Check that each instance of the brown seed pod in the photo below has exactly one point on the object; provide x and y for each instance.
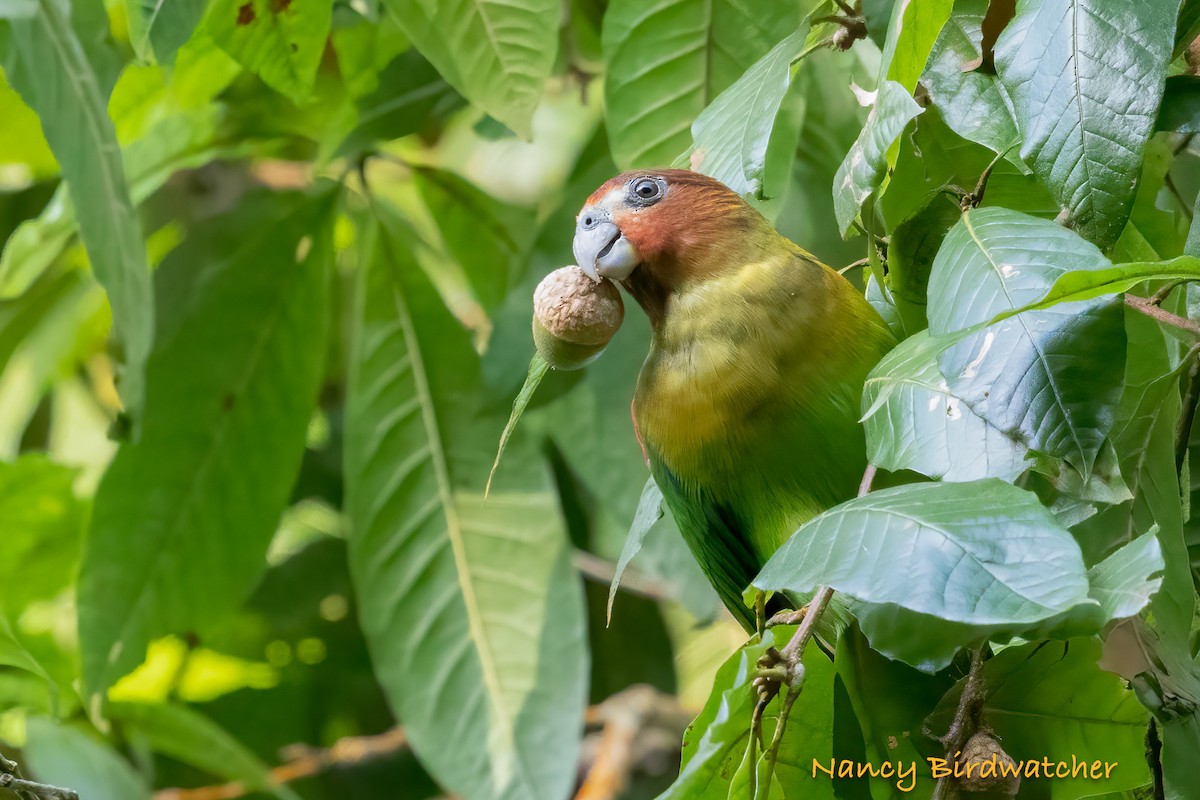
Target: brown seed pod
(988, 761)
(574, 317)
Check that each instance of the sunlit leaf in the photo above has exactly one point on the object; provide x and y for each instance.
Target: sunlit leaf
(48, 64)
(1050, 377)
(1086, 78)
(281, 41)
(914, 421)
(864, 167)
(496, 54)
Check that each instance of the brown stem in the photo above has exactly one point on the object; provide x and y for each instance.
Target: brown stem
(966, 717)
(1144, 306)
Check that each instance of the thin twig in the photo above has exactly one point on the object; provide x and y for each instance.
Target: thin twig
(1144, 306)
(303, 762)
(602, 571)
(966, 717)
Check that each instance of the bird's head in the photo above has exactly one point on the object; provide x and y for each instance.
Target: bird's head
(655, 230)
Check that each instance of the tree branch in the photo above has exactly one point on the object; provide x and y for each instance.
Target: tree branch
(1146, 306)
(966, 717)
(303, 762)
(10, 778)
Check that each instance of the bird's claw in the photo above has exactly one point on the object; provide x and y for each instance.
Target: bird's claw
(774, 671)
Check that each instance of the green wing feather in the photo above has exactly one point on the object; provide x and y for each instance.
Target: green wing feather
(714, 537)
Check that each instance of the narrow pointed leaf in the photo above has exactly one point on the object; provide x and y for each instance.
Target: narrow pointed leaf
(49, 66)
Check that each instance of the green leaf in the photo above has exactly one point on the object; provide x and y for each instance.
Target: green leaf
(410, 91)
(890, 701)
(280, 41)
(1073, 286)
(192, 738)
(158, 28)
(1031, 713)
(913, 245)
(1124, 582)
(974, 104)
(940, 565)
(14, 654)
(1050, 377)
(1180, 109)
(496, 54)
(971, 543)
(537, 370)
(667, 60)
(66, 756)
(649, 511)
(48, 65)
(234, 377)
(180, 141)
(914, 421)
(862, 171)
(43, 523)
(471, 609)
(715, 746)
(730, 138)
(911, 36)
(1086, 78)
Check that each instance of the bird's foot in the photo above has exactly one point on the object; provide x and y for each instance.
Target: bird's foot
(775, 671)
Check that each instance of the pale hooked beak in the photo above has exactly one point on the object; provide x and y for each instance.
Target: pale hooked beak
(600, 249)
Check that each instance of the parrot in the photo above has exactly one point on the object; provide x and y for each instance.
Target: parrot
(747, 406)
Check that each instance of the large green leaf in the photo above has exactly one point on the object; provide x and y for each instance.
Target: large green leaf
(984, 553)
(1050, 377)
(914, 421)
(281, 41)
(496, 53)
(471, 608)
(1086, 78)
(48, 64)
(730, 138)
(189, 736)
(865, 166)
(13, 654)
(974, 104)
(158, 28)
(937, 566)
(65, 756)
(716, 745)
(43, 523)
(667, 60)
(234, 377)
(1030, 711)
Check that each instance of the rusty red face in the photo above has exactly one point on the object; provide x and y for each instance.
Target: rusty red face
(646, 217)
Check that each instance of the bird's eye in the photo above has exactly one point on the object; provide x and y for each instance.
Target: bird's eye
(646, 191)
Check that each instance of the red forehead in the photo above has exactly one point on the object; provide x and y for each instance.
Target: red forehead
(675, 178)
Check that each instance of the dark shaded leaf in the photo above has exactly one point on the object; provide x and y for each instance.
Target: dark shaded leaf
(234, 377)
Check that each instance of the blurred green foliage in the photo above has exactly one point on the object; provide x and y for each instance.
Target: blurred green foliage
(265, 295)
